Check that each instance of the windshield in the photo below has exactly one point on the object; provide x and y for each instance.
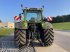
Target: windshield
(33, 16)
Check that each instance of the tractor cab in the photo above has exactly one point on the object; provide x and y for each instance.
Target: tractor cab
(33, 14)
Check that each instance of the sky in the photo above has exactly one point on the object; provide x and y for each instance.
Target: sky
(11, 8)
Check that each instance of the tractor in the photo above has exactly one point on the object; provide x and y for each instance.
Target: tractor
(33, 26)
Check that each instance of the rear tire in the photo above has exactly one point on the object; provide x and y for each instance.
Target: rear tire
(20, 37)
(47, 37)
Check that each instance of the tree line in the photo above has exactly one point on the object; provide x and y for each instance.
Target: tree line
(0, 21)
(58, 19)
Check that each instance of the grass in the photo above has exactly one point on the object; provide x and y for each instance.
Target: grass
(62, 26)
(6, 31)
(56, 26)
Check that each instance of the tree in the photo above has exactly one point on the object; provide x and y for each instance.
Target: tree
(63, 18)
(0, 21)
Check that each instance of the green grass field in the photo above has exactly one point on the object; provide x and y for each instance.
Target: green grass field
(6, 31)
(62, 26)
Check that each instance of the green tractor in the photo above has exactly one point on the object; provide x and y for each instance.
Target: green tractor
(33, 27)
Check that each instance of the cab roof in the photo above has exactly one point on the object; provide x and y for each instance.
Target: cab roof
(33, 9)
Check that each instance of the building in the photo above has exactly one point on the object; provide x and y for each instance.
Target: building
(0, 24)
(6, 25)
(3, 25)
(10, 25)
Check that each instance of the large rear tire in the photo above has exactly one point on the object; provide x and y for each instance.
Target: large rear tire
(20, 37)
(47, 37)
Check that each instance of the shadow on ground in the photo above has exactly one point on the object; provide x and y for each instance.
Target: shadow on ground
(7, 42)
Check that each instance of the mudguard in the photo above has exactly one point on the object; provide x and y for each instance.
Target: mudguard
(46, 25)
(23, 25)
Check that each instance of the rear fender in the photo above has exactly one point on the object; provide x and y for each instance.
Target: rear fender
(46, 25)
(23, 25)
